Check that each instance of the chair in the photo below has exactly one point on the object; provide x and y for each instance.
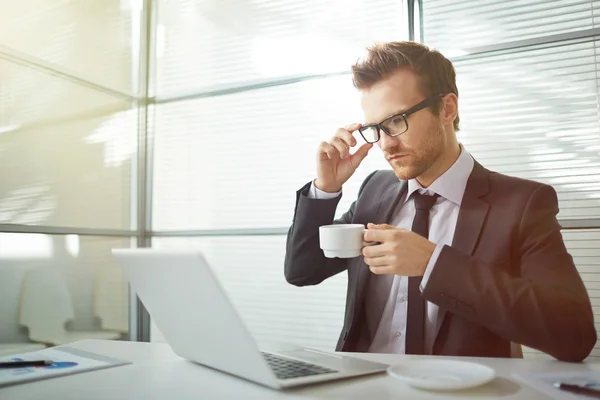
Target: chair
(46, 307)
(11, 277)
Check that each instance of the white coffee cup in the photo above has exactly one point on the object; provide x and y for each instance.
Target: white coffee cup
(342, 240)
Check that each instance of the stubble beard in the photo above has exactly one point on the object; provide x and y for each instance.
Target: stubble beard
(417, 163)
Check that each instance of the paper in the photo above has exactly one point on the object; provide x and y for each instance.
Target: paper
(544, 381)
(66, 361)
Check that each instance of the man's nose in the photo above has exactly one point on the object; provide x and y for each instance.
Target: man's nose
(386, 142)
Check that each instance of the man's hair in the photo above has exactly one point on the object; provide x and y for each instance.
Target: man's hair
(435, 72)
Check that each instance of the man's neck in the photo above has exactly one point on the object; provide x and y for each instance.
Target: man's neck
(441, 165)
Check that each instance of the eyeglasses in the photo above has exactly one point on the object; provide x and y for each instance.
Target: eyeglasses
(394, 125)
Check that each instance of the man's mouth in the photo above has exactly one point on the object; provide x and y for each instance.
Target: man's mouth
(396, 156)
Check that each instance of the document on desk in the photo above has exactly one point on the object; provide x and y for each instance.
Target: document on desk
(65, 361)
(545, 382)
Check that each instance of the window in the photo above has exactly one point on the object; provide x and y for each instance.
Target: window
(96, 40)
(241, 92)
(533, 114)
(460, 25)
(246, 91)
(236, 161)
(68, 151)
(250, 268)
(529, 108)
(204, 45)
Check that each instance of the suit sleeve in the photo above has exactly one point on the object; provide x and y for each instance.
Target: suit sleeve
(305, 263)
(547, 308)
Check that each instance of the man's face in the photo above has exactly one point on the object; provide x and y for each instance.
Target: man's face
(416, 150)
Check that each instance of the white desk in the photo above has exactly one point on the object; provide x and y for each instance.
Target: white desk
(157, 373)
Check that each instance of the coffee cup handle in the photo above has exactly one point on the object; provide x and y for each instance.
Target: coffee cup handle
(364, 243)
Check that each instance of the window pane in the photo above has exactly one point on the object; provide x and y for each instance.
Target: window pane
(534, 114)
(202, 44)
(584, 246)
(47, 281)
(66, 152)
(251, 271)
(236, 161)
(451, 25)
(94, 39)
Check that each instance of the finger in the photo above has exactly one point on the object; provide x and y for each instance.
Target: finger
(378, 261)
(352, 127)
(378, 235)
(386, 270)
(323, 147)
(380, 226)
(376, 250)
(346, 136)
(361, 154)
(331, 151)
(341, 146)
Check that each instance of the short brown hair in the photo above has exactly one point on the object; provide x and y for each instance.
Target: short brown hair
(435, 72)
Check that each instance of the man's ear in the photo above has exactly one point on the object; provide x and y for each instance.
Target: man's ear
(449, 109)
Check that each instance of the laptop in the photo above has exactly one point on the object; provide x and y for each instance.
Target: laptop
(189, 306)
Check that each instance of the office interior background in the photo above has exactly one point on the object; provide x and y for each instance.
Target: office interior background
(191, 123)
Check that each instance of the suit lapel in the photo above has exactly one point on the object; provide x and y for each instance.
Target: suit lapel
(471, 217)
(388, 204)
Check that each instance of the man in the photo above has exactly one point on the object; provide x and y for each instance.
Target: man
(467, 262)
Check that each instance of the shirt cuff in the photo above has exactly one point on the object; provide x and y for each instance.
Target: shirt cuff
(316, 193)
(430, 266)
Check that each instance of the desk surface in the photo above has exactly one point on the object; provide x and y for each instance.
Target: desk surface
(158, 373)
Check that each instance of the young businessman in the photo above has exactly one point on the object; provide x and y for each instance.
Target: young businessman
(468, 261)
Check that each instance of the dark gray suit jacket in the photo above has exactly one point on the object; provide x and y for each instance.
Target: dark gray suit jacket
(506, 278)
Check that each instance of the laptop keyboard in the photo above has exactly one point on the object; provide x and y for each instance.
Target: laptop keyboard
(286, 368)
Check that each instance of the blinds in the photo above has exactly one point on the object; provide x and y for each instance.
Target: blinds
(236, 161)
(97, 40)
(251, 271)
(72, 148)
(33, 99)
(208, 44)
(454, 25)
(67, 145)
(533, 113)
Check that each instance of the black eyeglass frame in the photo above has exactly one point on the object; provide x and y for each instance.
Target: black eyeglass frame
(405, 114)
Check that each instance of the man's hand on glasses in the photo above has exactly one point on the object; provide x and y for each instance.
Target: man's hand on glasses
(335, 163)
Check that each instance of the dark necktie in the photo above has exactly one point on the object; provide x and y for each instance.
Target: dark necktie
(415, 321)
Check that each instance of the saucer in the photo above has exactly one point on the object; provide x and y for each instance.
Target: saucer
(442, 374)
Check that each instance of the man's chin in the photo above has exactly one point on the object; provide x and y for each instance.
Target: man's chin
(404, 172)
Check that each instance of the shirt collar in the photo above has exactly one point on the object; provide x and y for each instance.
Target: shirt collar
(452, 183)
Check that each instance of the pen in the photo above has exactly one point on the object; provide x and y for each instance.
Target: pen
(23, 364)
(578, 389)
